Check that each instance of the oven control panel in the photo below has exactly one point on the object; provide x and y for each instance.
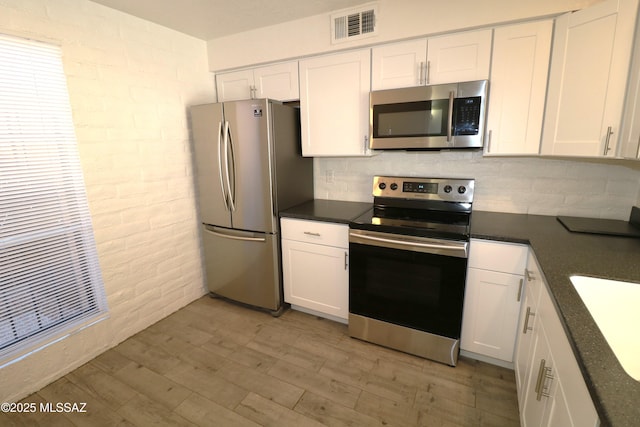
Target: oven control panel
(445, 189)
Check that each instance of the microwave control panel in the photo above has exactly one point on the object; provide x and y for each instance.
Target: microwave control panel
(466, 113)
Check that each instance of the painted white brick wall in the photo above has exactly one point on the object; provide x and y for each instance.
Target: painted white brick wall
(517, 185)
(130, 83)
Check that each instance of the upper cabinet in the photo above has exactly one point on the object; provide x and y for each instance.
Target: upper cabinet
(445, 59)
(587, 80)
(630, 138)
(334, 104)
(459, 57)
(399, 65)
(518, 83)
(277, 81)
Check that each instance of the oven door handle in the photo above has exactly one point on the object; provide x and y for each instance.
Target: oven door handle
(457, 249)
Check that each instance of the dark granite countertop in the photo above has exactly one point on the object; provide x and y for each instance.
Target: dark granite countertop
(327, 210)
(562, 254)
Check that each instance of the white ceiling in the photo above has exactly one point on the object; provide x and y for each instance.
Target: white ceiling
(209, 19)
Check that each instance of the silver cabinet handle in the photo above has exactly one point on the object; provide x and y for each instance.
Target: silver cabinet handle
(527, 316)
(520, 290)
(346, 255)
(607, 141)
(420, 67)
(426, 74)
(544, 374)
(489, 141)
(366, 143)
(450, 116)
(527, 274)
(310, 233)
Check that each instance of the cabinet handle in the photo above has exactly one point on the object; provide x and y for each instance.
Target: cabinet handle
(527, 315)
(346, 255)
(544, 374)
(489, 141)
(638, 151)
(527, 274)
(366, 143)
(520, 290)
(420, 67)
(309, 233)
(426, 73)
(607, 140)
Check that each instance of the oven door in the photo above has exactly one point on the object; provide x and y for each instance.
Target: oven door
(408, 281)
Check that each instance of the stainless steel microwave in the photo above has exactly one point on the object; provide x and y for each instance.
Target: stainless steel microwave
(428, 117)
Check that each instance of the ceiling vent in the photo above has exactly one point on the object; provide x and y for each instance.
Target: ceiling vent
(354, 24)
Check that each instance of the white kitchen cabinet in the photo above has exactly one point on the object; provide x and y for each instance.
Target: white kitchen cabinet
(450, 58)
(399, 65)
(459, 57)
(493, 294)
(629, 147)
(277, 81)
(315, 267)
(334, 104)
(587, 79)
(518, 84)
(551, 389)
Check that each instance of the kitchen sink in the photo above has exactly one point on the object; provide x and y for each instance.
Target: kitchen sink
(615, 306)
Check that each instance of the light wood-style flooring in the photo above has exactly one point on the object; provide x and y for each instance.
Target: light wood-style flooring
(214, 363)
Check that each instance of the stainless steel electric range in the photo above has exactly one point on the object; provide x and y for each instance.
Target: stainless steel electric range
(408, 265)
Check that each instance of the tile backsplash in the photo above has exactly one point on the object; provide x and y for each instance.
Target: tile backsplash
(505, 184)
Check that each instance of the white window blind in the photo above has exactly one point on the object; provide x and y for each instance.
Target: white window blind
(50, 281)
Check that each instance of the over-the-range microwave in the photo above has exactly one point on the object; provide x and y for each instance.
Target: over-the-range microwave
(429, 117)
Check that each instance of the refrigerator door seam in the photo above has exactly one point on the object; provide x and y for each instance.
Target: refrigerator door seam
(224, 194)
(226, 163)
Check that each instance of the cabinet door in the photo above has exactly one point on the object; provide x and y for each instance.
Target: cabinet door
(491, 309)
(316, 277)
(334, 104)
(235, 85)
(535, 404)
(587, 81)
(399, 65)
(459, 57)
(279, 81)
(519, 68)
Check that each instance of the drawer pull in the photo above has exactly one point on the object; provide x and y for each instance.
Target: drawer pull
(346, 255)
(527, 274)
(526, 321)
(310, 233)
(544, 374)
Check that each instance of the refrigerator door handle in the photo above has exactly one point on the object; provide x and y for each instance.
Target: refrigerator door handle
(228, 236)
(224, 193)
(227, 134)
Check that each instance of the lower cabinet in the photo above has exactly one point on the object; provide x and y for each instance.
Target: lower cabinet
(551, 389)
(493, 295)
(315, 267)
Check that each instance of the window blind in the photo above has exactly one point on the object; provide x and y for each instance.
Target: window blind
(50, 280)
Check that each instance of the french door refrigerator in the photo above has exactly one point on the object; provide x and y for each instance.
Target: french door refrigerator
(249, 166)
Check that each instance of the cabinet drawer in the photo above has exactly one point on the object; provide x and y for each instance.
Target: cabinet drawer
(498, 256)
(319, 232)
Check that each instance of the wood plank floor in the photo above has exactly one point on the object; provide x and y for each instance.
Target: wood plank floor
(214, 363)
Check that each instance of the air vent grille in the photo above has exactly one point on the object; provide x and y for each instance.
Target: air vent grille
(353, 23)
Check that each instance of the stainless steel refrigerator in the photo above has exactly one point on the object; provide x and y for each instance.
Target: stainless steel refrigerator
(249, 167)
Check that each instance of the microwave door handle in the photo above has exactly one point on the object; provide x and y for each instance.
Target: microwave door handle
(450, 117)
